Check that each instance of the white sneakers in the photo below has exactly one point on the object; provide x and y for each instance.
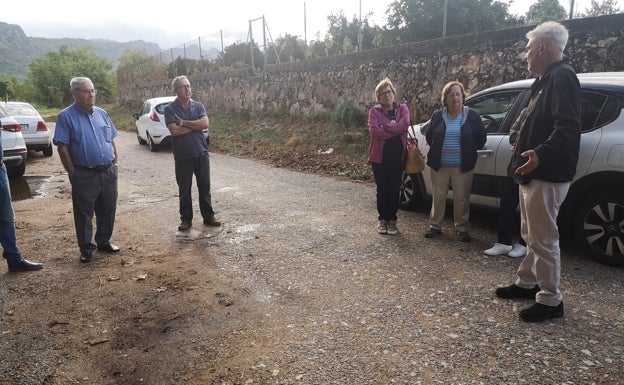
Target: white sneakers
(498, 249)
(517, 251)
(514, 251)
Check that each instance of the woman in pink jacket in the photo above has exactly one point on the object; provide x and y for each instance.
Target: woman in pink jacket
(387, 123)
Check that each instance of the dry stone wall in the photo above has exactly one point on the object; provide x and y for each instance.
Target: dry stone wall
(418, 70)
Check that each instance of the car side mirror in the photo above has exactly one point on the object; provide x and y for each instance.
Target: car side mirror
(136, 115)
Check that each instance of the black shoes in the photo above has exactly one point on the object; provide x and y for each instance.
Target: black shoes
(26, 265)
(539, 312)
(464, 236)
(515, 292)
(432, 232)
(535, 313)
(109, 247)
(86, 256)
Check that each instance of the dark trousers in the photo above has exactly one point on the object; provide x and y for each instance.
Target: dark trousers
(507, 213)
(388, 180)
(94, 192)
(184, 170)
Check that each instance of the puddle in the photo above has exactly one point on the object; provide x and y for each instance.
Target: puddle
(27, 187)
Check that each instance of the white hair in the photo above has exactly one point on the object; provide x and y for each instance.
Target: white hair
(552, 31)
(75, 83)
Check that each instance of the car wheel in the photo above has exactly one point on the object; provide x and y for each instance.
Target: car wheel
(599, 227)
(17, 171)
(411, 196)
(48, 150)
(139, 139)
(152, 146)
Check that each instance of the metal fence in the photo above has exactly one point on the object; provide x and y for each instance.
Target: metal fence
(199, 55)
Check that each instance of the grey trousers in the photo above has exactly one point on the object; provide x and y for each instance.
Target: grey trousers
(94, 192)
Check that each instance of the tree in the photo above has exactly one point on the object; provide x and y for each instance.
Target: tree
(187, 67)
(137, 65)
(288, 48)
(344, 36)
(7, 87)
(417, 20)
(50, 75)
(545, 10)
(237, 55)
(605, 7)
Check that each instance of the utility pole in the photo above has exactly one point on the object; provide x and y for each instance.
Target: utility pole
(360, 32)
(571, 10)
(266, 53)
(305, 29)
(444, 20)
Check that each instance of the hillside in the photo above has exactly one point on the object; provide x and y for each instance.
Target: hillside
(17, 50)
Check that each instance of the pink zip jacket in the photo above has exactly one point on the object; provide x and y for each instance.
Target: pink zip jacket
(381, 129)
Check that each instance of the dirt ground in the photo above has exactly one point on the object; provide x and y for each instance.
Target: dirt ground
(294, 288)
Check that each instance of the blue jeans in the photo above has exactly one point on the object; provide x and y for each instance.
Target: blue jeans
(7, 221)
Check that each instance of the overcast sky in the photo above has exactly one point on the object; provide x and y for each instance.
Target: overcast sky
(156, 21)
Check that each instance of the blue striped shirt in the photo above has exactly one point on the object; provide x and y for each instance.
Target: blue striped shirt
(451, 155)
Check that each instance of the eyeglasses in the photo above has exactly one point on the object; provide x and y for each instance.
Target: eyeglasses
(88, 92)
(187, 86)
(386, 93)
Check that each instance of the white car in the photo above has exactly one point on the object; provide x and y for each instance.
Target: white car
(13, 145)
(34, 129)
(593, 211)
(150, 123)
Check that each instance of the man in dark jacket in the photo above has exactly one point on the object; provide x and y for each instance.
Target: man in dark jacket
(545, 160)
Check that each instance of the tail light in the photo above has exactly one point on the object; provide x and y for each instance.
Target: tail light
(41, 126)
(12, 127)
(154, 116)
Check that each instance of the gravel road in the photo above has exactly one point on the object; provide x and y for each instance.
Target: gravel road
(295, 288)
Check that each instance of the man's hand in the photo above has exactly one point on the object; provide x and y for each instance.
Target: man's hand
(530, 165)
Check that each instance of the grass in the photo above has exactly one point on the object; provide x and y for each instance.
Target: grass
(293, 142)
(282, 140)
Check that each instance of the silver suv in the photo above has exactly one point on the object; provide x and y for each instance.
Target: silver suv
(594, 209)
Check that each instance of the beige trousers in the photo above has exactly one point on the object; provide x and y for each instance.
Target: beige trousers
(461, 183)
(539, 204)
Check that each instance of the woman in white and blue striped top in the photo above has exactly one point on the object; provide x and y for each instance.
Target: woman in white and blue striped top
(454, 133)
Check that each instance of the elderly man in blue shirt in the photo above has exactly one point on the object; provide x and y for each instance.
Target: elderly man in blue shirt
(85, 136)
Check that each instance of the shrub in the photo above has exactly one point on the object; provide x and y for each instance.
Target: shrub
(348, 115)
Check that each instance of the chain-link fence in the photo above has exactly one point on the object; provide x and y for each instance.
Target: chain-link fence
(223, 49)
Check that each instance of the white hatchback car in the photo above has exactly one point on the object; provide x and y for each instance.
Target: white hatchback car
(34, 129)
(150, 123)
(13, 145)
(593, 211)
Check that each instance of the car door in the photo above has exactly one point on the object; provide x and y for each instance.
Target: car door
(592, 103)
(498, 110)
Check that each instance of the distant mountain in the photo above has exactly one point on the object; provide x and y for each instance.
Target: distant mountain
(17, 50)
